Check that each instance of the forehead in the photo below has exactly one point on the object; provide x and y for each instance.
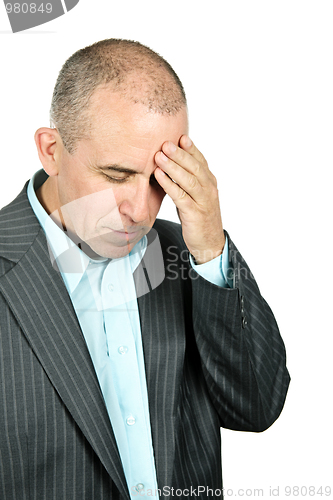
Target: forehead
(128, 132)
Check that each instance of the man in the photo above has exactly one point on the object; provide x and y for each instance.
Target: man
(126, 341)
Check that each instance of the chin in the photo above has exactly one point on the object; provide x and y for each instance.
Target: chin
(110, 251)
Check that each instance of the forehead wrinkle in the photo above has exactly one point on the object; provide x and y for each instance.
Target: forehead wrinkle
(127, 135)
(138, 141)
(124, 153)
(135, 161)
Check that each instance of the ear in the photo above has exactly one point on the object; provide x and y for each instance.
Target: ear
(49, 147)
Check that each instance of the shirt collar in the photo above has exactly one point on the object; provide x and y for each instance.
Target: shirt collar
(65, 255)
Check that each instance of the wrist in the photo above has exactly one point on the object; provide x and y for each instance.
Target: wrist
(203, 256)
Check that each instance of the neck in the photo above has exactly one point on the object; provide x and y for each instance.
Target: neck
(46, 195)
(48, 198)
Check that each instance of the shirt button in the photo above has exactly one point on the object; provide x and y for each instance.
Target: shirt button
(122, 349)
(110, 287)
(139, 487)
(130, 420)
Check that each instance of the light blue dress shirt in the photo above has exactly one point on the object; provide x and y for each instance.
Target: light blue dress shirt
(104, 299)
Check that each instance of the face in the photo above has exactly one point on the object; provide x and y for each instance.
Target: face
(107, 191)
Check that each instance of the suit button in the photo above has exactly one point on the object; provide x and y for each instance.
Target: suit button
(244, 322)
(130, 420)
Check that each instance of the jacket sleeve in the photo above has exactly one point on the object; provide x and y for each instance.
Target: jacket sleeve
(242, 353)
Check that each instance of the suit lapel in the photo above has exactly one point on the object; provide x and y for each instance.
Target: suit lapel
(39, 300)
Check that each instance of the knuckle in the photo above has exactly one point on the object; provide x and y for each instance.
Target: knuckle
(203, 160)
(182, 194)
(193, 182)
(215, 193)
(180, 154)
(214, 180)
(197, 169)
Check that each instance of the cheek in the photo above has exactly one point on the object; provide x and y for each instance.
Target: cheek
(101, 204)
(71, 188)
(87, 211)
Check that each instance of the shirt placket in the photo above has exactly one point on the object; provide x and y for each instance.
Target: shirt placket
(118, 296)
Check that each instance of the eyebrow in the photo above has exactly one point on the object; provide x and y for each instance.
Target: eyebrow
(118, 168)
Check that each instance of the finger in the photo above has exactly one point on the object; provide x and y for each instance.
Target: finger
(187, 145)
(186, 161)
(206, 175)
(185, 180)
(176, 193)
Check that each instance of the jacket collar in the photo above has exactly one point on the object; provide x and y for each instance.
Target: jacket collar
(39, 300)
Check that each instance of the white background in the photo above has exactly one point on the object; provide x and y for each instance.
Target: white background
(259, 81)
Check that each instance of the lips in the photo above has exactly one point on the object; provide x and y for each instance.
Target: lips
(126, 235)
(126, 232)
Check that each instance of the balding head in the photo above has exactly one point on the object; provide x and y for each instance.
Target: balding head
(135, 72)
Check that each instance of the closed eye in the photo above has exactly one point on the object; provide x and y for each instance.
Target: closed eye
(118, 180)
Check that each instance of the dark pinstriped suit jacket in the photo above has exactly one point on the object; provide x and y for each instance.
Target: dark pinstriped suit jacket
(213, 357)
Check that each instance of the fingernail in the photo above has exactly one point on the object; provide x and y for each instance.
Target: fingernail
(172, 147)
(163, 157)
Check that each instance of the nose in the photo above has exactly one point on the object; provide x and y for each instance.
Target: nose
(136, 205)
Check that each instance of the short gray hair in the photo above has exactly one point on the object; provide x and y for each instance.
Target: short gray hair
(117, 63)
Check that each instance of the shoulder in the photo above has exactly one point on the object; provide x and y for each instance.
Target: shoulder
(14, 205)
(18, 227)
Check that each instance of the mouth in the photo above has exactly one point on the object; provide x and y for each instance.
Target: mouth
(127, 235)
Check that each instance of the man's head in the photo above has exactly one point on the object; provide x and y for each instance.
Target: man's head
(114, 105)
(126, 67)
